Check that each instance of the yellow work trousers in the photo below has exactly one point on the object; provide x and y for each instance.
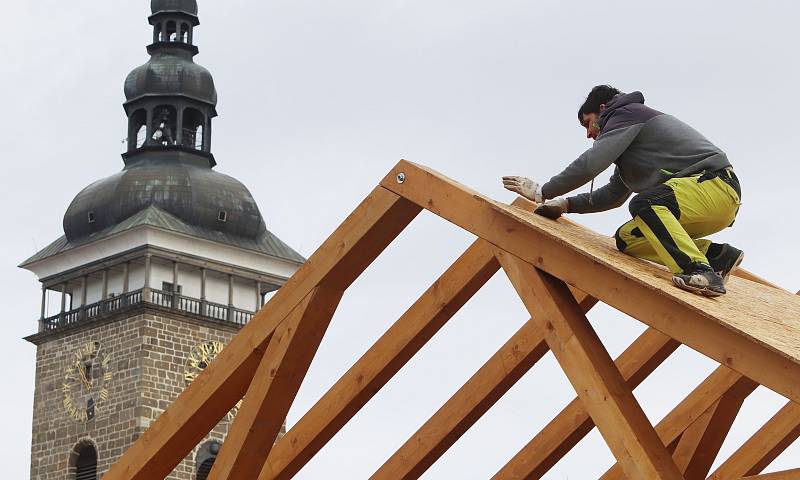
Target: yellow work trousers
(671, 219)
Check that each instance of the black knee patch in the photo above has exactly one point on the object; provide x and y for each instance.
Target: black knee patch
(662, 195)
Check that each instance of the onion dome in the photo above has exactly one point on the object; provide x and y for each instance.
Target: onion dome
(171, 72)
(194, 193)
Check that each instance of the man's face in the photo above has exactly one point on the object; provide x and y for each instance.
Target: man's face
(591, 122)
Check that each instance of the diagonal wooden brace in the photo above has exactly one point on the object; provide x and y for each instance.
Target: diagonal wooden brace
(382, 361)
(700, 444)
(275, 386)
(704, 397)
(573, 423)
(592, 372)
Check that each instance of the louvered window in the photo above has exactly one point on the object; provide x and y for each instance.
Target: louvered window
(205, 468)
(86, 466)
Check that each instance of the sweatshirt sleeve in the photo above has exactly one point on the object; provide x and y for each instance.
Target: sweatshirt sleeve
(605, 151)
(605, 198)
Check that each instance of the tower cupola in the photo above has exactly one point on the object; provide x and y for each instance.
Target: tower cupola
(170, 99)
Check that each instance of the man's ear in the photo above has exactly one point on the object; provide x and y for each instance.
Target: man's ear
(602, 107)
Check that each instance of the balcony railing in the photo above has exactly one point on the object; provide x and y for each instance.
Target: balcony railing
(160, 298)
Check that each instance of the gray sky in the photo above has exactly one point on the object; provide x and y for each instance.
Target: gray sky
(318, 100)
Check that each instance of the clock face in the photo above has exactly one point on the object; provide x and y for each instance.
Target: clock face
(199, 358)
(86, 380)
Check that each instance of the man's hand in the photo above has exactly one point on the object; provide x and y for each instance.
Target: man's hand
(553, 208)
(525, 187)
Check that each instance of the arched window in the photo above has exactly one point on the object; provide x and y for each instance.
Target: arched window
(185, 32)
(172, 31)
(193, 123)
(158, 34)
(206, 455)
(83, 461)
(138, 130)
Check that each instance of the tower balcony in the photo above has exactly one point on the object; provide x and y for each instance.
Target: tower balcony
(144, 298)
(152, 280)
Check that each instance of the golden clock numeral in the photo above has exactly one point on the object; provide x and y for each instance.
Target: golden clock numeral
(104, 394)
(108, 376)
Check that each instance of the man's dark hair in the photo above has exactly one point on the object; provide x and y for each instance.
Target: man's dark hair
(599, 95)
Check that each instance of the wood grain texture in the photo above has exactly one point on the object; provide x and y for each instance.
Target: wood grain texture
(274, 387)
(573, 423)
(754, 329)
(382, 361)
(337, 263)
(591, 371)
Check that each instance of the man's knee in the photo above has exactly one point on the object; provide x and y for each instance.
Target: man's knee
(627, 234)
(621, 243)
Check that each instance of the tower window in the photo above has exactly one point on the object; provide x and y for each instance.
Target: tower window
(222, 216)
(185, 32)
(84, 461)
(91, 217)
(206, 455)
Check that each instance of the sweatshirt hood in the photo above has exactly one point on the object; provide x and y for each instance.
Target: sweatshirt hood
(619, 101)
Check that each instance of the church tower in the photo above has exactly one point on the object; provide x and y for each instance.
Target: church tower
(159, 266)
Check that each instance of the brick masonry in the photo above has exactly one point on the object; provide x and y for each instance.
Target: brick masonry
(148, 353)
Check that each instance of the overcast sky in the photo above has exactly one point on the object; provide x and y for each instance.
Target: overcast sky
(318, 100)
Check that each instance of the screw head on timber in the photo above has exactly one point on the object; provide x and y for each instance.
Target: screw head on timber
(401, 177)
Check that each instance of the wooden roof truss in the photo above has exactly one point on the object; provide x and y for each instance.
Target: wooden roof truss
(560, 271)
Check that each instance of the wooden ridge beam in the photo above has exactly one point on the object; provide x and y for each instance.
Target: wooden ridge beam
(518, 355)
(764, 446)
(704, 397)
(274, 387)
(598, 382)
(640, 298)
(362, 236)
(573, 423)
(382, 361)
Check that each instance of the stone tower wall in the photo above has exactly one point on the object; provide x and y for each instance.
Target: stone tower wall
(148, 352)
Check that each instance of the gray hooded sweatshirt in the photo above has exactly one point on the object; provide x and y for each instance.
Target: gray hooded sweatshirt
(648, 148)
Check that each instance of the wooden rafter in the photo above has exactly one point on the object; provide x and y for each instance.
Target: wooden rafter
(592, 372)
(764, 446)
(590, 263)
(471, 401)
(382, 361)
(337, 263)
(275, 385)
(699, 445)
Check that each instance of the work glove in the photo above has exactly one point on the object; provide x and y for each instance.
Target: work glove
(525, 187)
(553, 208)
